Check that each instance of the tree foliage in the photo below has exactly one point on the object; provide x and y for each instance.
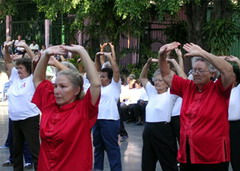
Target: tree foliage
(105, 20)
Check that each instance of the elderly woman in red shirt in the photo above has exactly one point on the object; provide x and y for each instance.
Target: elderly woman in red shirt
(67, 116)
(204, 132)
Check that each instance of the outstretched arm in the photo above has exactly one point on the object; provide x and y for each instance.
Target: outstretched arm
(90, 70)
(144, 73)
(166, 73)
(223, 66)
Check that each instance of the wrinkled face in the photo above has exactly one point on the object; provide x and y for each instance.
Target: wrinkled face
(64, 91)
(22, 71)
(201, 73)
(160, 84)
(104, 79)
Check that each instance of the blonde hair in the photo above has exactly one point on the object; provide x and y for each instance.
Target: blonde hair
(75, 78)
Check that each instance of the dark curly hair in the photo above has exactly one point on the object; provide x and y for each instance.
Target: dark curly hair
(27, 62)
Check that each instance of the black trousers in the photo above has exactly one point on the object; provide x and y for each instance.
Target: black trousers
(26, 152)
(175, 124)
(25, 130)
(204, 167)
(159, 144)
(122, 130)
(235, 144)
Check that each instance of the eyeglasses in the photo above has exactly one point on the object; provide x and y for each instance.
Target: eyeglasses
(199, 71)
(157, 80)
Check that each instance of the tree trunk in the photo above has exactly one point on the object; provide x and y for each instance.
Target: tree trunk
(222, 9)
(197, 17)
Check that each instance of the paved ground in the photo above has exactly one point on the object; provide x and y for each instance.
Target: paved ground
(130, 150)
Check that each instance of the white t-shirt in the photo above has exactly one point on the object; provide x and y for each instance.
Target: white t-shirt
(34, 47)
(234, 104)
(124, 95)
(135, 94)
(86, 83)
(108, 102)
(159, 107)
(177, 107)
(20, 95)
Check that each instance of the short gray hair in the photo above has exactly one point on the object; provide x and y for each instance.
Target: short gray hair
(69, 65)
(209, 65)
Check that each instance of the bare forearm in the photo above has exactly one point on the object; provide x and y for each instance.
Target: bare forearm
(97, 63)
(40, 71)
(144, 71)
(238, 63)
(218, 63)
(29, 51)
(180, 62)
(179, 70)
(90, 68)
(115, 68)
(59, 65)
(7, 57)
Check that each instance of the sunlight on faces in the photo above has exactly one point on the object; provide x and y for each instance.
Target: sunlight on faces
(201, 73)
(160, 84)
(104, 79)
(22, 71)
(65, 92)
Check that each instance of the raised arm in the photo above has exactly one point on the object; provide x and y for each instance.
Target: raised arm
(114, 66)
(179, 70)
(91, 71)
(223, 66)
(7, 59)
(166, 73)
(102, 57)
(97, 62)
(180, 59)
(144, 73)
(112, 51)
(233, 59)
(26, 47)
(40, 71)
(54, 62)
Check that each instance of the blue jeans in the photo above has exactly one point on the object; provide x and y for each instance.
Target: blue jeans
(105, 137)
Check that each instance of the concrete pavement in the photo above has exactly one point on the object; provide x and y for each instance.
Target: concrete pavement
(130, 150)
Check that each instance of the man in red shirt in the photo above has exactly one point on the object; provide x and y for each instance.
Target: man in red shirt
(204, 133)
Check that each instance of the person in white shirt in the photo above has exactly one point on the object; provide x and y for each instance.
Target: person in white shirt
(34, 46)
(159, 142)
(106, 129)
(178, 67)
(234, 116)
(125, 99)
(23, 113)
(138, 99)
(19, 50)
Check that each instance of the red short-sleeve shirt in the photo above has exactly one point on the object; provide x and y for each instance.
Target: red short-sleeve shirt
(203, 121)
(65, 131)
